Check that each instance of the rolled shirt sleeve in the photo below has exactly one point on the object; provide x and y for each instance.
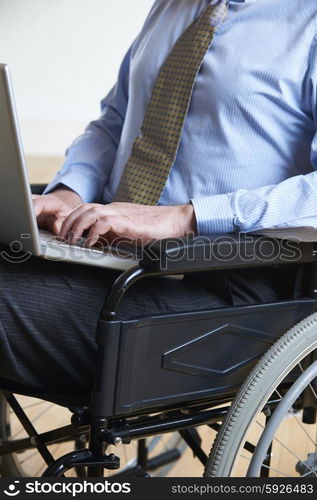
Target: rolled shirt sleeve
(213, 214)
(291, 203)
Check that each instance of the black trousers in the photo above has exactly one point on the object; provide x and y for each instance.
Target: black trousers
(49, 312)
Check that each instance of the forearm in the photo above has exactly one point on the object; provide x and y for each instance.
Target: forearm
(68, 195)
(290, 203)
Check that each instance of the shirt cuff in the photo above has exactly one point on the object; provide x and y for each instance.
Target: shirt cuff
(88, 189)
(214, 215)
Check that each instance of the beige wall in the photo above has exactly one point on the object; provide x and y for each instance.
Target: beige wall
(64, 57)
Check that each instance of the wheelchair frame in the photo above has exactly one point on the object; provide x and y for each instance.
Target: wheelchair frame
(107, 423)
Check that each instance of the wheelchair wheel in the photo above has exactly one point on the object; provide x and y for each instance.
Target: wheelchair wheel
(44, 416)
(47, 416)
(270, 429)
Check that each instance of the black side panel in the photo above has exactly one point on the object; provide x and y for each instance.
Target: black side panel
(108, 339)
(165, 362)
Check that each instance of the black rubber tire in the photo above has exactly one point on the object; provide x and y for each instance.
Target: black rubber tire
(9, 466)
(274, 366)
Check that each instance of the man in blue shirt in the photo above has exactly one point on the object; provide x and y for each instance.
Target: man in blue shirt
(248, 150)
(246, 162)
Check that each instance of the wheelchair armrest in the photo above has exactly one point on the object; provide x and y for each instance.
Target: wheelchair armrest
(231, 251)
(37, 188)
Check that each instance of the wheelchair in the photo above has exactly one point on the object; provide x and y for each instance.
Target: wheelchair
(239, 380)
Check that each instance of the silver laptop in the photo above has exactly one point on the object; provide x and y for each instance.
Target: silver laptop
(18, 226)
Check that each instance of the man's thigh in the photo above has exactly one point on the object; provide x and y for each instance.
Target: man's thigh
(48, 319)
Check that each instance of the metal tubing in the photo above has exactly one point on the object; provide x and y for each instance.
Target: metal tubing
(192, 439)
(37, 441)
(119, 288)
(96, 446)
(275, 420)
(80, 458)
(61, 435)
(156, 425)
(123, 283)
(142, 457)
(165, 458)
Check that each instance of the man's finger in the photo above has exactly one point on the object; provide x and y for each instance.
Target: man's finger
(113, 227)
(72, 222)
(38, 205)
(83, 222)
(71, 217)
(45, 205)
(56, 224)
(100, 228)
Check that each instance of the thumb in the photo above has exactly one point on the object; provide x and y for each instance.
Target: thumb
(38, 205)
(45, 205)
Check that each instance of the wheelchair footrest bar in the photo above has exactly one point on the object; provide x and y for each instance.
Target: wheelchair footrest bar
(165, 458)
(81, 458)
(129, 472)
(153, 464)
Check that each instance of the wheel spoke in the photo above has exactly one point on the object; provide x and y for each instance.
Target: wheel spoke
(279, 394)
(310, 471)
(32, 405)
(302, 427)
(267, 467)
(284, 446)
(311, 387)
(38, 403)
(164, 443)
(39, 470)
(28, 457)
(33, 420)
(314, 393)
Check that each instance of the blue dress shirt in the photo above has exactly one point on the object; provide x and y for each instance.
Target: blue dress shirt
(248, 153)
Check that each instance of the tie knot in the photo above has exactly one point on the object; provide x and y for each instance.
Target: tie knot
(218, 10)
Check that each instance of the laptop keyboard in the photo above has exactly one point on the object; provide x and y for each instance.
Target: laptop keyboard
(50, 238)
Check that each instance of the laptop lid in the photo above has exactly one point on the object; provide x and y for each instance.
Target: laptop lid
(17, 219)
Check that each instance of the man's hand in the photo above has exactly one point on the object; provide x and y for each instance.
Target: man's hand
(128, 220)
(51, 209)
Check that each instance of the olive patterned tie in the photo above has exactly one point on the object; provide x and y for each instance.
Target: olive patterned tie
(155, 149)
